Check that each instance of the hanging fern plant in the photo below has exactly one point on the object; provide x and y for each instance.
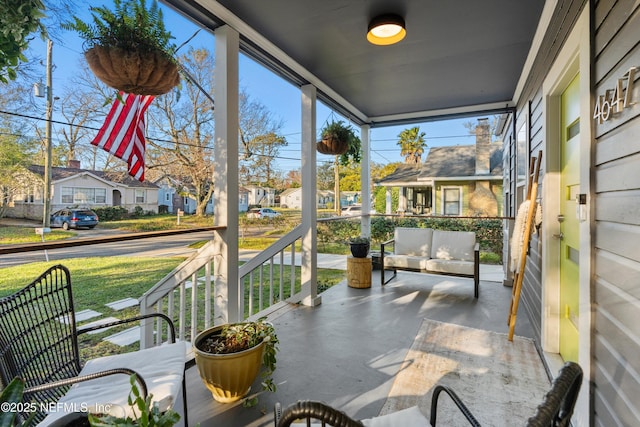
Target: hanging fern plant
(129, 48)
(337, 138)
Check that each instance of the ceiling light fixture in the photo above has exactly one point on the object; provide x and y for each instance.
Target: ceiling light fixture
(386, 29)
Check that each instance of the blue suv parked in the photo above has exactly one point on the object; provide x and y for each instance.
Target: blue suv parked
(74, 218)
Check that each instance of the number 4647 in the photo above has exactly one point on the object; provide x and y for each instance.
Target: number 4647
(615, 100)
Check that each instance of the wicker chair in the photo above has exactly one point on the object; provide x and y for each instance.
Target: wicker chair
(555, 410)
(39, 343)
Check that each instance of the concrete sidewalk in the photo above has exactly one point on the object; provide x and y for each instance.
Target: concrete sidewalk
(488, 272)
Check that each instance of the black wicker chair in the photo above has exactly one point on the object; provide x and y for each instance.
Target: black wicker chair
(555, 410)
(39, 343)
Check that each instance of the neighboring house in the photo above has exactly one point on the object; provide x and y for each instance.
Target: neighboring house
(261, 196)
(175, 195)
(292, 198)
(348, 198)
(169, 198)
(325, 198)
(463, 180)
(73, 186)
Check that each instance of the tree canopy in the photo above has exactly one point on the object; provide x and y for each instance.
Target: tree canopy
(412, 144)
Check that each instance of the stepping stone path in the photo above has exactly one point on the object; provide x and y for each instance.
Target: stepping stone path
(126, 337)
(100, 322)
(122, 304)
(122, 338)
(81, 316)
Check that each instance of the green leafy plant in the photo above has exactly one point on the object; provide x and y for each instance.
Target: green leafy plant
(243, 336)
(340, 139)
(339, 130)
(12, 395)
(130, 26)
(19, 19)
(360, 240)
(146, 413)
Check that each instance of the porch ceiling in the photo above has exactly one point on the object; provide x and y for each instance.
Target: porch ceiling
(458, 57)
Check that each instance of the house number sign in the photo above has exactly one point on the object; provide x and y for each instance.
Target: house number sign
(615, 100)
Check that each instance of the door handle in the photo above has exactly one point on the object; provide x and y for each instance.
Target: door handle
(559, 236)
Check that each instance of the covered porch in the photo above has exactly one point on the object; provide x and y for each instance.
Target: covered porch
(348, 350)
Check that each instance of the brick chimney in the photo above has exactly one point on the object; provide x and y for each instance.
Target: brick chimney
(73, 164)
(483, 147)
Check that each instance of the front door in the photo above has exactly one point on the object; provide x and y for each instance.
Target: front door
(569, 222)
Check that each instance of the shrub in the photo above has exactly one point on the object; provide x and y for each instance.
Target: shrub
(111, 213)
(488, 231)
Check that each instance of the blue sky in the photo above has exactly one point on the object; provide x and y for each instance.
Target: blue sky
(279, 96)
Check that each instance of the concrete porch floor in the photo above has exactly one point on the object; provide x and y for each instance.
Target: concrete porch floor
(347, 351)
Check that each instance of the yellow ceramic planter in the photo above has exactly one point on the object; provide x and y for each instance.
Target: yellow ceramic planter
(228, 376)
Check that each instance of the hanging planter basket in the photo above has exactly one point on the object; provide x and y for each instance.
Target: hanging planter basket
(333, 146)
(141, 73)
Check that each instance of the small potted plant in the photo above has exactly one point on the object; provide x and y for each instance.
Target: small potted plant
(229, 358)
(129, 48)
(11, 397)
(359, 246)
(337, 137)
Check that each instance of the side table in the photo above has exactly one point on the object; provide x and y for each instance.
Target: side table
(359, 272)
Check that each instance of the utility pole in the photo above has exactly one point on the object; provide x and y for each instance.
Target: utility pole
(48, 149)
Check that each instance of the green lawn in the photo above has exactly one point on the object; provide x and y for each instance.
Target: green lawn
(98, 281)
(158, 222)
(14, 235)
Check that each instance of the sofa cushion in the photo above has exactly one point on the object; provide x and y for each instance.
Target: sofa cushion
(453, 245)
(413, 241)
(162, 369)
(450, 266)
(403, 261)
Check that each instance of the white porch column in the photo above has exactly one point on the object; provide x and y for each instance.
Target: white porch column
(225, 178)
(309, 263)
(365, 180)
(387, 201)
(402, 202)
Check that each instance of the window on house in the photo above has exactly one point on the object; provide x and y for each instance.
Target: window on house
(81, 195)
(166, 197)
(101, 195)
(140, 196)
(451, 200)
(67, 195)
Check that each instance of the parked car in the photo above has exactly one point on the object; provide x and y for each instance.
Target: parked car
(74, 218)
(260, 213)
(351, 210)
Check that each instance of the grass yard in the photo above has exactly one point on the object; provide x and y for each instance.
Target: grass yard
(98, 281)
(158, 222)
(14, 235)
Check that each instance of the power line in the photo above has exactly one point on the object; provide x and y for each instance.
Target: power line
(152, 139)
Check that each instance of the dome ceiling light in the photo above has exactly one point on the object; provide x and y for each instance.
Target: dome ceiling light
(386, 29)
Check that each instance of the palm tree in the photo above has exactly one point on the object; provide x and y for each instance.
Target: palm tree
(412, 144)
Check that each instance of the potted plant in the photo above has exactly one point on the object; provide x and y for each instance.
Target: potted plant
(229, 358)
(359, 246)
(129, 48)
(11, 401)
(336, 138)
(146, 413)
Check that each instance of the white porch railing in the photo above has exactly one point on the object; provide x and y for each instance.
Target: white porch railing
(185, 294)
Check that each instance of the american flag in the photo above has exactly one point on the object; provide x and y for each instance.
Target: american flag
(122, 133)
